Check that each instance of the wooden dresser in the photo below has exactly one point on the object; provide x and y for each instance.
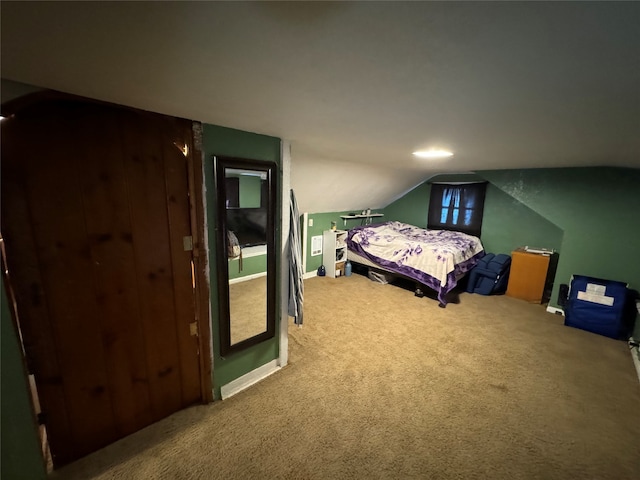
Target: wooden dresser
(528, 275)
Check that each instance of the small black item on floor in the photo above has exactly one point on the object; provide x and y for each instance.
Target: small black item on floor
(563, 294)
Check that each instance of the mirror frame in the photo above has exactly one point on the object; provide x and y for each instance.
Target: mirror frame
(221, 163)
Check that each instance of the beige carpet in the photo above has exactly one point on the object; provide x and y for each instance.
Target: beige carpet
(248, 308)
(382, 384)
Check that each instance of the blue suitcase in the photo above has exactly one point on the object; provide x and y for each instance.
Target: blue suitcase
(597, 306)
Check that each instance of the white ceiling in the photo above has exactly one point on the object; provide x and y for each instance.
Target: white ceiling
(502, 85)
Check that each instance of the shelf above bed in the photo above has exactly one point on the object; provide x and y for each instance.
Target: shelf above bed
(367, 216)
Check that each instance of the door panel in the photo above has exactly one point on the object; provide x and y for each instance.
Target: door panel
(150, 226)
(28, 286)
(104, 188)
(57, 217)
(94, 208)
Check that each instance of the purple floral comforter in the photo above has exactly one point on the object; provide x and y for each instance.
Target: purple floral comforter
(435, 258)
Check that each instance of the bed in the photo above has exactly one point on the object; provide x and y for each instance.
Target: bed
(437, 259)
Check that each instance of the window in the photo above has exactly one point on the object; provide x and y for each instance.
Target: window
(457, 207)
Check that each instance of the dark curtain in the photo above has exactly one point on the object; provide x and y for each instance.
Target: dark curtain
(457, 207)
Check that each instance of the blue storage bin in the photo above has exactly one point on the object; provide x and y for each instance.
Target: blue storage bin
(598, 306)
(490, 275)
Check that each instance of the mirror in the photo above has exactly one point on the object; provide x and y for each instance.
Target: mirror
(246, 198)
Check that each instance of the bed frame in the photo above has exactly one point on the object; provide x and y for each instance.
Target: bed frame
(419, 288)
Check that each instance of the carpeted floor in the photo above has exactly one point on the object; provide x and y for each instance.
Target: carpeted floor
(382, 384)
(248, 308)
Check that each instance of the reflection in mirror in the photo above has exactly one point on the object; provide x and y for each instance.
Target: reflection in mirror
(246, 195)
(247, 309)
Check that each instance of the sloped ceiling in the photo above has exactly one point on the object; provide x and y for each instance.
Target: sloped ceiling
(357, 86)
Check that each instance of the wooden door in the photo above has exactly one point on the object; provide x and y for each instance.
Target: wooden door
(95, 207)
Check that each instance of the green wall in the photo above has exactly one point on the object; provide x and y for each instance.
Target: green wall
(249, 191)
(236, 143)
(249, 187)
(412, 208)
(322, 222)
(498, 235)
(589, 215)
(21, 456)
(598, 210)
(525, 227)
(250, 266)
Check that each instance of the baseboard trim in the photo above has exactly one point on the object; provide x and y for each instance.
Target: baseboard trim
(248, 379)
(247, 277)
(310, 275)
(555, 310)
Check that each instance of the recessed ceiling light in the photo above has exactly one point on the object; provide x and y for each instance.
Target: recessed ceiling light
(432, 153)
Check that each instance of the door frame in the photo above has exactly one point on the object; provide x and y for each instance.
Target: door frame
(197, 200)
